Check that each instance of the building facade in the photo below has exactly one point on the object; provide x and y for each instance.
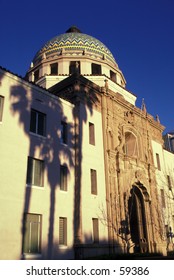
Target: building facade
(169, 141)
(83, 170)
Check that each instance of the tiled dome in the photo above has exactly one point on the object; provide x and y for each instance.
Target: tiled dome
(74, 40)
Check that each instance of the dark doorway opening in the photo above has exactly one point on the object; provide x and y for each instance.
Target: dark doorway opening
(137, 221)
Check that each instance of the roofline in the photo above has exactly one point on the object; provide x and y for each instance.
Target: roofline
(28, 83)
(71, 79)
(23, 79)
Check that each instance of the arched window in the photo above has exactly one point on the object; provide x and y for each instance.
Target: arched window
(130, 147)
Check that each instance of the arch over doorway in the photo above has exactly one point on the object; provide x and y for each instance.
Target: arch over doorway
(137, 220)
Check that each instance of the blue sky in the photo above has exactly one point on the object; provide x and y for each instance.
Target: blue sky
(139, 33)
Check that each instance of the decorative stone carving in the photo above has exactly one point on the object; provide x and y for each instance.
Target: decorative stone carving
(121, 139)
(129, 117)
(112, 167)
(140, 177)
(157, 119)
(106, 84)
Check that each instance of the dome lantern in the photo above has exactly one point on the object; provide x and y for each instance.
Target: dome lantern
(73, 29)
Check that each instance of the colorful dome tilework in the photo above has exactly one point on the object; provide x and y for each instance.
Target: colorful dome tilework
(74, 41)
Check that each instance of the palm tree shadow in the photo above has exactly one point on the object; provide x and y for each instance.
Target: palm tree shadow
(47, 148)
(84, 95)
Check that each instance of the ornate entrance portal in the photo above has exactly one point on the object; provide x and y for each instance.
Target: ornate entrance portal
(137, 219)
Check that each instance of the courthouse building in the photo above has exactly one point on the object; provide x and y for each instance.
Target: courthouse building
(83, 171)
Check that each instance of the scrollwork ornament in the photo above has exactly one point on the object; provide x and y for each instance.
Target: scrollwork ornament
(129, 117)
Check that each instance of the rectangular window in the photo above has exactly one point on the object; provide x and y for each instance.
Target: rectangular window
(1, 107)
(95, 230)
(32, 233)
(172, 144)
(62, 231)
(63, 177)
(96, 69)
(163, 203)
(54, 68)
(158, 162)
(36, 75)
(113, 76)
(64, 132)
(93, 181)
(91, 134)
(35, 171)
(169, 182)
(38, 122)
(74, 67)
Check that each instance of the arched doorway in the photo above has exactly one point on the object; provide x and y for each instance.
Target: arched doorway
(137, 220)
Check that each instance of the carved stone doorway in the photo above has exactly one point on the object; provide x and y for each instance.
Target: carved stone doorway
(137, 220)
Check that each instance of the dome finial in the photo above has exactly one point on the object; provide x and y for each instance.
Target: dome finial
(73, 29)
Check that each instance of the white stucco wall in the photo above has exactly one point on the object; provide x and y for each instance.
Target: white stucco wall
(167, 168)
(16, 144)
(92, 158)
